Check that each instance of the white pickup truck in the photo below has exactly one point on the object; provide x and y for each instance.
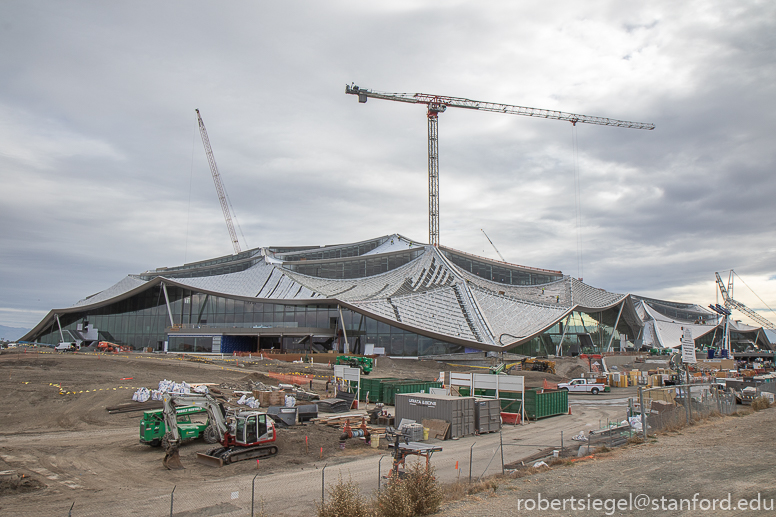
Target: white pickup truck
(583, 386)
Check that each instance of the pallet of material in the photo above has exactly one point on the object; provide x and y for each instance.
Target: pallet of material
(334, 406)
(436, 428)
(612, 436)
(337, 420)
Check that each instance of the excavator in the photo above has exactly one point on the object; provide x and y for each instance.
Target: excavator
(242, 435)
(538, 364)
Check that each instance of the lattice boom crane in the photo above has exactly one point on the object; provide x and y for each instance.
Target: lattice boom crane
(219, 186)
(730, 303)
(437, 104)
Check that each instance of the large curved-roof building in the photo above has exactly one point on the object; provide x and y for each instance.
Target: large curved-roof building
(411, 299)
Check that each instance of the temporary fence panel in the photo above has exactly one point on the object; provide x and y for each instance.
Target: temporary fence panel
(348, 375)
(485, 385)
(676, 406)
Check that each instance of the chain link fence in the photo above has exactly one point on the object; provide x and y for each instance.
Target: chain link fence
(673, 407)
(288, 492)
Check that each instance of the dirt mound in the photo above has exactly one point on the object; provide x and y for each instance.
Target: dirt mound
(11, 483)
(304, 443)
(570, 367)
(254, 377)
(536, 379)
(422, 369)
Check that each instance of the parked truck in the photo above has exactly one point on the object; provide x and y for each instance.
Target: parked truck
(583, 386)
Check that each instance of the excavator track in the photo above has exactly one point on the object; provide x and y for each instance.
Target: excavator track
(220, 456)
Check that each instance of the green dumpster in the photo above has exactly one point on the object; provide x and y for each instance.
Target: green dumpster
(541, 403)
(390, 389)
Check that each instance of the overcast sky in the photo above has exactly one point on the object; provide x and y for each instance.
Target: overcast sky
(103, 172)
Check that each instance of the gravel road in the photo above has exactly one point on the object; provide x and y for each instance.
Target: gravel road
(728, 459)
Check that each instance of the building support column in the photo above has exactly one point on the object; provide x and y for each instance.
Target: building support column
(614, 329)
(559, 348)
(167, 301)
(61, 335)
(346, 349)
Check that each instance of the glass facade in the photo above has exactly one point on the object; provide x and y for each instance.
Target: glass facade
(598, 324)
(142, 321)
(217, 266)
(331, 252)
(358, 267)
(502, 273)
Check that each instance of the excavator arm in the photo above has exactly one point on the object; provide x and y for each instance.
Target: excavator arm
(170, 400)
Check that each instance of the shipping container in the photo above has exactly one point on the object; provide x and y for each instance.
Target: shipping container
(487, 415)
(457, 411)
(511, 401)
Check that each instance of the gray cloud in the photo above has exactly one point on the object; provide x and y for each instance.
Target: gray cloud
(103, 173)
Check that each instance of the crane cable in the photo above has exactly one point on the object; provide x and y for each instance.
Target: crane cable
(191, 180)
(234, 216)
(577, 198)
(754, 293)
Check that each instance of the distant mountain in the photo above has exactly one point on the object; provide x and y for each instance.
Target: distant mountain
(12, 333)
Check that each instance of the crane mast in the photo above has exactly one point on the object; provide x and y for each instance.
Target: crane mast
(437, 104)
(219, 186)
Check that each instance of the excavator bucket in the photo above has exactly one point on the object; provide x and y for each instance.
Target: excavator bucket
(172, 459)
(210, 461)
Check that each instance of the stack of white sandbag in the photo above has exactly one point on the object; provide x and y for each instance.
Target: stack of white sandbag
(141, 395)
(251, 402)
(167, 386)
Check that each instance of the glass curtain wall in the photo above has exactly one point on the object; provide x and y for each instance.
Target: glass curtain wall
(142, 320)
(598, 324)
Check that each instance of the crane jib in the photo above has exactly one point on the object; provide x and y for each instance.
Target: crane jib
(460, 102)
(438, 103)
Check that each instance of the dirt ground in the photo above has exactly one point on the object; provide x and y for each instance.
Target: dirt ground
(728, 455)
(58, 443)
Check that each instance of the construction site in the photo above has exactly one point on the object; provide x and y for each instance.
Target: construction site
(252, 383)
(76, 443)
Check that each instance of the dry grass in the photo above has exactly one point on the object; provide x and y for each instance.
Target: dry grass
(345, 500)
(760, 403)
(560, 462)
(417, 493)
(456, 491)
